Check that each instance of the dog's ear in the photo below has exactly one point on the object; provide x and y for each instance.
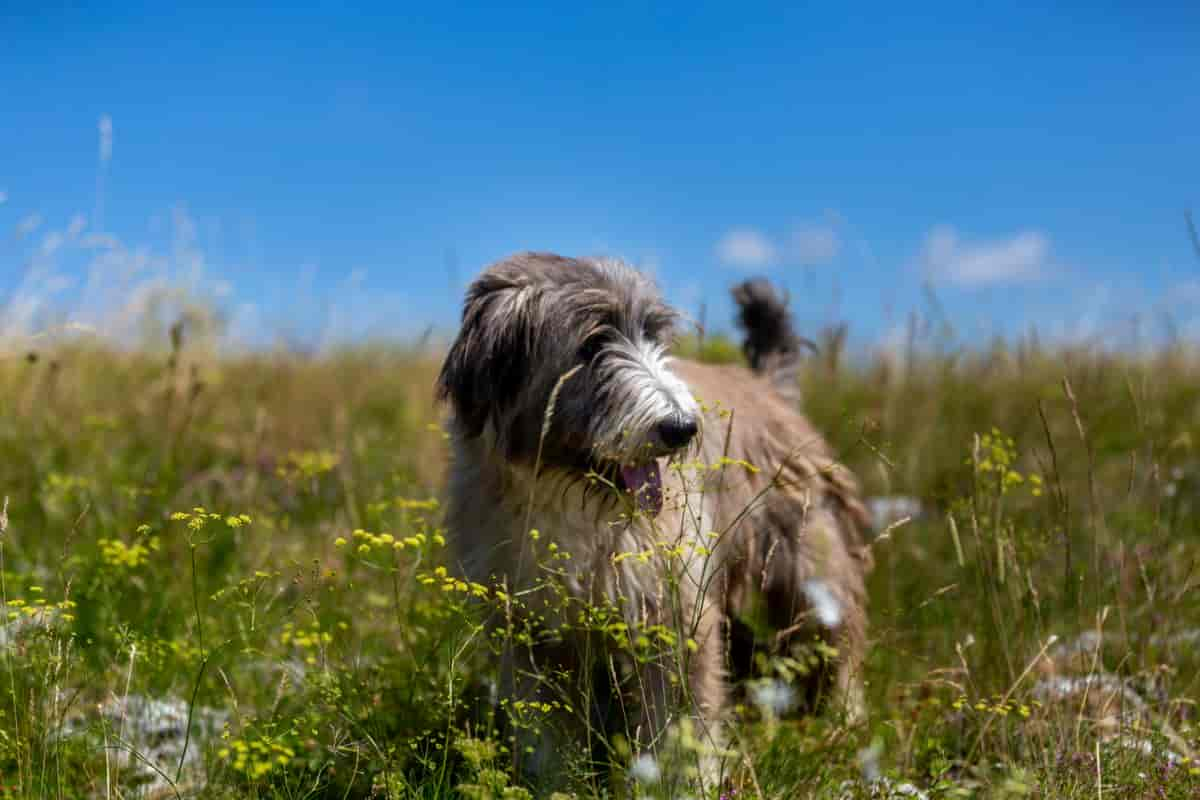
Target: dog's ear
(485, 369)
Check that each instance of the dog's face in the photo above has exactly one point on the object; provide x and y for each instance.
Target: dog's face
(591, 337)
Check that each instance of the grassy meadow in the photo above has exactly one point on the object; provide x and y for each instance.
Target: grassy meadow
(225, 577)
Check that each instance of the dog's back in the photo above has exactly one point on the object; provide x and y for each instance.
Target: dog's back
(796, 522)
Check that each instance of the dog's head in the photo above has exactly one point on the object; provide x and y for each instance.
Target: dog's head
(562, 362)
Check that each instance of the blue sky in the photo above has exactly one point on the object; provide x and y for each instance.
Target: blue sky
(352, 168)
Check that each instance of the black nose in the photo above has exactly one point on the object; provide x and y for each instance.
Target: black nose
(675, 432)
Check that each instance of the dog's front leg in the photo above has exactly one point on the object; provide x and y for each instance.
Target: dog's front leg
(547, 702)
(681, 697)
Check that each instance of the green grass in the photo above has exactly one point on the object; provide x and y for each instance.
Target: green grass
(184, 527)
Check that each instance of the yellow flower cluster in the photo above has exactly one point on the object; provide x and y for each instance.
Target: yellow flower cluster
(199, 516)
(448, 583)
(668, 550)
(652, 633)
(407, 504)
(527, 707)
(65, 484)
(365, 541)
(127, 556)
(257, 758)
(641, 556)
(552, 551)
(715, 406)
(308, 464)
(308, 639)
(997, 705)
(995, 455)
(720, 464)
(37, 607)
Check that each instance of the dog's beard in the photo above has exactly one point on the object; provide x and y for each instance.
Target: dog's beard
(647, 394)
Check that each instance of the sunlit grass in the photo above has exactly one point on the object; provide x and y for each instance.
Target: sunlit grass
(255, 544)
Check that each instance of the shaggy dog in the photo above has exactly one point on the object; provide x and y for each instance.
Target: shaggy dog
(657, 524)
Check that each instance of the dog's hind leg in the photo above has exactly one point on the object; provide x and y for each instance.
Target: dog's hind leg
(801, 595)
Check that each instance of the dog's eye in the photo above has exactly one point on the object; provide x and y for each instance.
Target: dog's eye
(590, 349)
(656, 328)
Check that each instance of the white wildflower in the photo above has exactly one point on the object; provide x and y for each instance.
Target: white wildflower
(868, 761)
(645, 769)
(824, 604)
(774, 698)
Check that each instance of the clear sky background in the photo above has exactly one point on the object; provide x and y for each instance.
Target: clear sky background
(349, 169)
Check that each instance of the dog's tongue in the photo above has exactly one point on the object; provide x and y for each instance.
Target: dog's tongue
(645, 482)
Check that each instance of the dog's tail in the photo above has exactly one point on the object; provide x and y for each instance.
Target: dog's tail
(772, 345)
